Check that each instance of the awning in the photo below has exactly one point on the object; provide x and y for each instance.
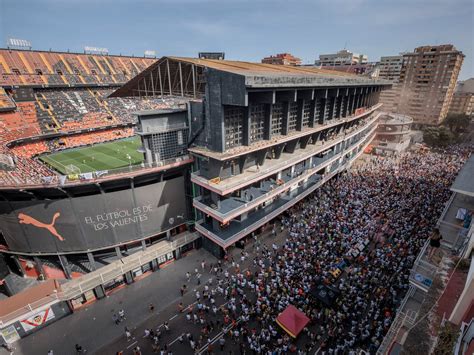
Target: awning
(292, 320)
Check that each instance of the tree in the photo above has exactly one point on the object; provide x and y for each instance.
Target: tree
(457, 122)
(437, 136)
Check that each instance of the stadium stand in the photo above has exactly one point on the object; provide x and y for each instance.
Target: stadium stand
(52, 101)
(6, 103)
(40, 68)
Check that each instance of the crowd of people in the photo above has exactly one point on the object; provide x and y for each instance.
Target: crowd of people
(389, 205)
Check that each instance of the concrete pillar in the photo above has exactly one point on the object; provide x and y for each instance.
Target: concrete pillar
(118, 252)
(299, 116)
(168, 235)
(268, 122)
(292, 170)
(90, 256)
(285, 124)
(143, 242)
(312, 114)
(39, 266)
(246, 126)
(65, 265)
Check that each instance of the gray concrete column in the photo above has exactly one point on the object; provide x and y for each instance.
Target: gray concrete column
(65, 265)
(285, 124)
(90, 256)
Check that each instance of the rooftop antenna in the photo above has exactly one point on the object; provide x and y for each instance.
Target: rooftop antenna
(345, 45)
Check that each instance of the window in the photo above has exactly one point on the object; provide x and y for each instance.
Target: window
(59, 72)
(306, 113)
(293, 114)
(38, 72)
(16, 71)
(257, 122)
(233, 122)
(277, 117)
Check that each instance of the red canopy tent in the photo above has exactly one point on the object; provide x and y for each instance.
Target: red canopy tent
(292, 320)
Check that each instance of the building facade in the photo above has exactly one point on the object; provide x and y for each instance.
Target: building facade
(390, 69)
(427, 82)
(343, 57)
(282, 59)
(463, 98)
(393, 134)
(263, 138)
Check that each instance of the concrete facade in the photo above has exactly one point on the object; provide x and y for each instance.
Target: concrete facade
(343, 57)
(427, 81)
(463, 98)
(393, 134)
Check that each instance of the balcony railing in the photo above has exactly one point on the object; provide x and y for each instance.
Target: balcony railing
(219, 214)
(262, 216)
(253, 174)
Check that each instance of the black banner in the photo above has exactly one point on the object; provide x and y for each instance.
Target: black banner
(92, 222)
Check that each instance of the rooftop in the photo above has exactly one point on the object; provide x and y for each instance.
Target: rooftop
(463, 183)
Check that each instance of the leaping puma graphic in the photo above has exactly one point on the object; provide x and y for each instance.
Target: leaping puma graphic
(25, 219)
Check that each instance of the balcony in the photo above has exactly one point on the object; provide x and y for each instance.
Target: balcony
(252, 197)
(273, 166)
(236, 230)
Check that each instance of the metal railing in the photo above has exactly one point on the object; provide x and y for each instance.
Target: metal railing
(76, 287)
(261, 172)
(403, 318)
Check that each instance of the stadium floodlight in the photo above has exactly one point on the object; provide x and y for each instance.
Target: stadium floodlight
(16, 43)
(96, 50)
(150, 54)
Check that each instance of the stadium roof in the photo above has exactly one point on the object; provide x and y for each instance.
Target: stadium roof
(182, 75)
(464, 183)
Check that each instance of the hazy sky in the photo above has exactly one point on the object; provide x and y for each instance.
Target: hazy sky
(244, 30)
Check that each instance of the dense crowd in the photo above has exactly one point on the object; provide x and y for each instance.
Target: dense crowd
(388, 204)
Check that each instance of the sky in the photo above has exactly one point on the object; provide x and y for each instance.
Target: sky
(243, 29)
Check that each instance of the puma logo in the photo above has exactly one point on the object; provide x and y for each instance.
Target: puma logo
(25, 219)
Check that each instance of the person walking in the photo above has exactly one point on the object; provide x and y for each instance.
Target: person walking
(128, 334)
(122, 315)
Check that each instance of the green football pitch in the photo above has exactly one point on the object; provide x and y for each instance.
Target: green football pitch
(102, 156)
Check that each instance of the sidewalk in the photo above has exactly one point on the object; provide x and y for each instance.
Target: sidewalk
(92, 327)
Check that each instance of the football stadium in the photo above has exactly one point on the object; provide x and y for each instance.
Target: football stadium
(98, 157)
(112, 168)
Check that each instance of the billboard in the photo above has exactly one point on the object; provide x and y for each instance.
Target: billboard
(93, 222)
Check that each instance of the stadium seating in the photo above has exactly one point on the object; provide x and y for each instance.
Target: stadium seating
(19, 67)
(44, 95)
(6, 103)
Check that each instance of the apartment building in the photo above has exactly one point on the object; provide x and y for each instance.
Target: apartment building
(427, 81)
(463, 98)
(282, 59)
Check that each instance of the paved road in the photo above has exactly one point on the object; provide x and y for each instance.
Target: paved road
(93, 327)
(175, 338)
